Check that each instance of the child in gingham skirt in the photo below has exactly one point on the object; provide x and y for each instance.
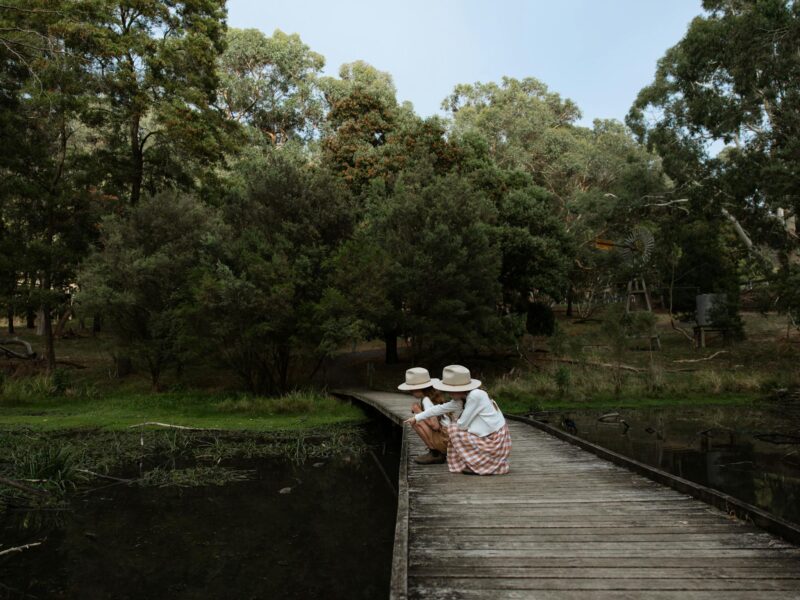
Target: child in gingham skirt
(479, 439)
(433, 430)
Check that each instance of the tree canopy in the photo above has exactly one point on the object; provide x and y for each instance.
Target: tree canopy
(209, 190)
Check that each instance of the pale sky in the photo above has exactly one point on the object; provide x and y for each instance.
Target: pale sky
(599, 53)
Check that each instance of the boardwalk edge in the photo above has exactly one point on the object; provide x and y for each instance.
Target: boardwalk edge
(399, 581)
(733, 506)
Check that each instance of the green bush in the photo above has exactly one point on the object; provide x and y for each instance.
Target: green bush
(56, 466)
(563, 378)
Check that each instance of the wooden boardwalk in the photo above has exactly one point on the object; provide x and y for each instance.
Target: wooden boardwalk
(567, 525)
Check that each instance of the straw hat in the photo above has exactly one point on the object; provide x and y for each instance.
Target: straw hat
(417, 378)
(456, 378)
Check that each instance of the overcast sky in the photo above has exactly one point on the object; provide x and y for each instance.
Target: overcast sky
(599, 53)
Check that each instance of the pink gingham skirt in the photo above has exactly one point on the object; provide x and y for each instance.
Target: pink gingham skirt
(482, 455)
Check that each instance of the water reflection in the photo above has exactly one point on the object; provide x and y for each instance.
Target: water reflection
(329, 536)
(751, 453)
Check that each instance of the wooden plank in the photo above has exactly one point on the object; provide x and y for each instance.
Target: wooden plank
(521, 541)
(428, 593)
(592, 552)
(421, 572)
(609, 583)
(566, 525)
(785, 564)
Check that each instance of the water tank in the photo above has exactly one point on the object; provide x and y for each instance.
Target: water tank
(705, 304)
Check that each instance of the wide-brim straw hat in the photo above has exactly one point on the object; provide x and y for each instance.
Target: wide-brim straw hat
(456, 378)
(417, 378)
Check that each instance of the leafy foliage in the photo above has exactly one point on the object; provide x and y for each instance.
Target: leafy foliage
(141, 278)
(263, 293)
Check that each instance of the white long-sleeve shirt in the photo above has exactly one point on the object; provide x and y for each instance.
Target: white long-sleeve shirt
(477, 414)
(481, 416)
(439, 410)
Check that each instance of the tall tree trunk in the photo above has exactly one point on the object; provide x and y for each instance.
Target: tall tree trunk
(137, 160)
(570, 295)
(40, 321)
(11, 319)
(97, 323)
(30, 318)
(49, 346)
(390, 339)
(62, 322)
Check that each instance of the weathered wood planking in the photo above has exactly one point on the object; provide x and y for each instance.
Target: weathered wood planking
(566, 525)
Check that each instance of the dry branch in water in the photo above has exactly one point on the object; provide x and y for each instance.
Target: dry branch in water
(22, 487)
(20, 548)
(92, 473)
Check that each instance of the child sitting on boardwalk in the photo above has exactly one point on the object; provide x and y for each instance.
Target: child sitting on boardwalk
(479, 441)
(430, 430)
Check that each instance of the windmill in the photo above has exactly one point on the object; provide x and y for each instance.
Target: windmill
(635, 250)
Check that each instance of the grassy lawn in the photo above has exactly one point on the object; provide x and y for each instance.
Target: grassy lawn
(203, 396)
(186, 409)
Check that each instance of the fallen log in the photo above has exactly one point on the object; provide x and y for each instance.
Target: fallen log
(5, 342)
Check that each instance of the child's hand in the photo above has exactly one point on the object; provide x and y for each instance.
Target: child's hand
(410, 421)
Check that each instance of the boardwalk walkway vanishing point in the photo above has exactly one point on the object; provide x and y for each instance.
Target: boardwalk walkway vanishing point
(567, 525)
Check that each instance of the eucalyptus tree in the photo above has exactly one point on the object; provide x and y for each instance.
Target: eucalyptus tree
(270, 83)
(154, 68)
(734, 78)
(598, 180)
(527, 127)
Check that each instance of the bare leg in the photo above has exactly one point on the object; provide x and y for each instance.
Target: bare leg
(424, 432)
(422, 428)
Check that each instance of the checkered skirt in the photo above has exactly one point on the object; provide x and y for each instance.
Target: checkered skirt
(482, 455)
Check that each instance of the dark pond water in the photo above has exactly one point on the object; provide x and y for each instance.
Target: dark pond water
(330, 537)
(751, 453)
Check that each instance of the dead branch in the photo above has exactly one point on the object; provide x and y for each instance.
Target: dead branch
(69, 363)
(22, 487)
(670, 203)
(695, 360)
(680, 330)
(20, 548)
(157, 424)
(92, 473)
(572, 361)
